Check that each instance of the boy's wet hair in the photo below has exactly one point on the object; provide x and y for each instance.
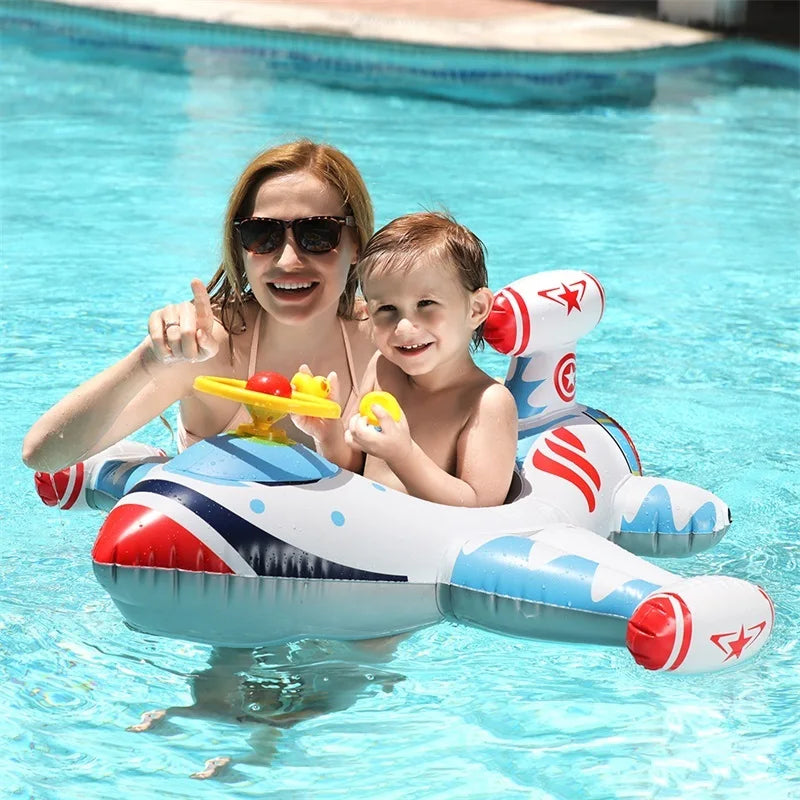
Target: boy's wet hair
(400, 244)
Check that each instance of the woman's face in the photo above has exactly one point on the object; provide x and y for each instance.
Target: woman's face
(294, 286)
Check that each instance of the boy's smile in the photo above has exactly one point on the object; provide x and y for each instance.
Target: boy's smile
(422, 317)
(413, 349)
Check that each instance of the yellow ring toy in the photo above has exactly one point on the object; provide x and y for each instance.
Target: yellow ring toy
(383, 399)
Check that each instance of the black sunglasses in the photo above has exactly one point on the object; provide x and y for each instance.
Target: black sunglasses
(313, 234)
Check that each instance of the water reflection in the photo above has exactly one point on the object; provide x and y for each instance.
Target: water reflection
(270, 689)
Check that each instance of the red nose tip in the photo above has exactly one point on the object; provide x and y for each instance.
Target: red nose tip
(653, 631)
(137, 536)
(46, 487)
(54, 488)
(500, 328)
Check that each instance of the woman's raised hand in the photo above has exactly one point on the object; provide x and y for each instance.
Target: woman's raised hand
(183, 331)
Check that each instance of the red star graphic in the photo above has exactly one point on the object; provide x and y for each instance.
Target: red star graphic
(737, 645)
(570, 296)
(734, 647)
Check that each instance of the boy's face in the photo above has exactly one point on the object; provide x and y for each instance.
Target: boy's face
(423, 318)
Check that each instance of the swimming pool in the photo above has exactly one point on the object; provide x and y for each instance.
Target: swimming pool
(674, 179)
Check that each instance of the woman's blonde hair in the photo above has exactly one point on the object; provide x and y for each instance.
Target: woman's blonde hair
(228, 288)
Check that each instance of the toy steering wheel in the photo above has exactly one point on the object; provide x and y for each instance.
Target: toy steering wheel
(274, 398)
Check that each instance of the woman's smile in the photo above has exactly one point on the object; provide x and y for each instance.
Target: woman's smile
(292, 290)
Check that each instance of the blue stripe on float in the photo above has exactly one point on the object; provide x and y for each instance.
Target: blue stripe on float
(229, 458)
(501, 567)
(655, 516)
(522, 393)
(265, 553)
(116, 477)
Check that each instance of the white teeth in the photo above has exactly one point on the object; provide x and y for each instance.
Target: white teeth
(289, 285)
(413, 346)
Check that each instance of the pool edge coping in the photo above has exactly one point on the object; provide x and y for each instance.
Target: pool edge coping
(561, 30)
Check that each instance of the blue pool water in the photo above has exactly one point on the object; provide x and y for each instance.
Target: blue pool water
(675, 178)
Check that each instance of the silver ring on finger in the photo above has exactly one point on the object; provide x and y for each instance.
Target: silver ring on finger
(170, 324)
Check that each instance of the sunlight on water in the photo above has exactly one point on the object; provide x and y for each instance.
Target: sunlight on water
(116, 171)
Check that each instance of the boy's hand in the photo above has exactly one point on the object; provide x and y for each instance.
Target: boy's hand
(391, 441)
(183, 331)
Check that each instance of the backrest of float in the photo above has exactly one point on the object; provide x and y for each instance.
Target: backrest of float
(537, 320)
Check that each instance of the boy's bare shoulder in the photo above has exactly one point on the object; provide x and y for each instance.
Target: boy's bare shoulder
(481, 382)
(491, 402)
(495, 396)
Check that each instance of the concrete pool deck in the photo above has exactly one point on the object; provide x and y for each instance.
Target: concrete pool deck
(520, 25)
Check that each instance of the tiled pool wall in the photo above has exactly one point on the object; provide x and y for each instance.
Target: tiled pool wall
(483, 77)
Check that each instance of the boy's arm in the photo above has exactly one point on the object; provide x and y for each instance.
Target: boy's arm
(487, 447)
(486, 452)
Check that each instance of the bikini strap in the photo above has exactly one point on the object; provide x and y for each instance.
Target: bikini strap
(349, 358)
(251, 368)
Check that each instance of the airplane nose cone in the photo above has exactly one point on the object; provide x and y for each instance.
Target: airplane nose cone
(136, 536)
(689, 628)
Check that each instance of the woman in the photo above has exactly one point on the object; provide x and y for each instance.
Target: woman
(285, 294)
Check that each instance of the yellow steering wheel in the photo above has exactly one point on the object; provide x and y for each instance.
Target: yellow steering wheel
(267, 408)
